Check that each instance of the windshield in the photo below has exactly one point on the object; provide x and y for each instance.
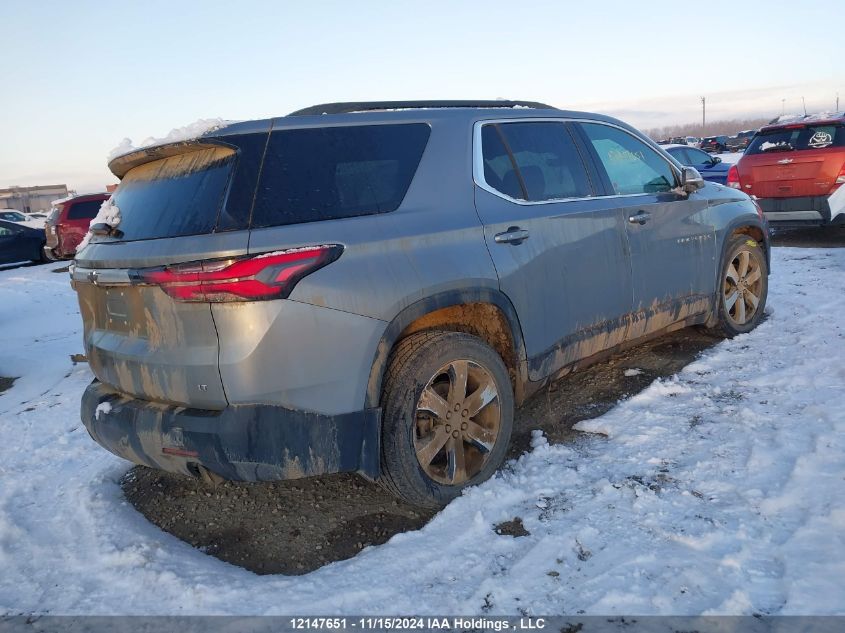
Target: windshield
(798, 138)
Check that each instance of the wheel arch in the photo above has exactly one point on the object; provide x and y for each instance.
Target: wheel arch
(464, 310)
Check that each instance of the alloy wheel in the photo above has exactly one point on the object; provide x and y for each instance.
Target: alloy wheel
(457, 422)
(742, 288)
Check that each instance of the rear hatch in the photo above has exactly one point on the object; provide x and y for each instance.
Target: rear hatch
(178, 203)
(794, 160)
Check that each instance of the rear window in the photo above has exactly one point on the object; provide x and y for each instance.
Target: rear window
(337, 172)
(799, 138)
(84, 210)
(174, 196)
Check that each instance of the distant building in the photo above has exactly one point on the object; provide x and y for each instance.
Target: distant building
(31, 199)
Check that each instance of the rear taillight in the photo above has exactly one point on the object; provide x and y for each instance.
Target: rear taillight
(840, 179)
(733, 178)
(255, 278)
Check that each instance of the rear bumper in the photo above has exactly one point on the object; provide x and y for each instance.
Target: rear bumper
(239, 443)
(801, 211)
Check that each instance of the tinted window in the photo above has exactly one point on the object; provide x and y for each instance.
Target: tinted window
(12, 216)
(799, 138)
(84, 210)
(337, 172)
(533, 161)
(631, 166)
(678, 153)
(697, 158)
(179, 195)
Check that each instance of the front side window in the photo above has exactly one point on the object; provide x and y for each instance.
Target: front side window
(327, 173)
(632, 167)
(533, 161)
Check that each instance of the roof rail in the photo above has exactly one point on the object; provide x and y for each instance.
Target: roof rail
(361, 106)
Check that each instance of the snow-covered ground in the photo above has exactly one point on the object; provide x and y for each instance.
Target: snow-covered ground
(730, 158)
(720, 490)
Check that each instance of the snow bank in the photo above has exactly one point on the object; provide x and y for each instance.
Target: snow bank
(719, 490)
(185, 133)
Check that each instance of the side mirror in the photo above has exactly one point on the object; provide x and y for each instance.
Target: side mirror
(716, 159)
(691, 180)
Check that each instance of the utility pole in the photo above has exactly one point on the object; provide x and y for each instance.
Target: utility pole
(783, 106)
(805, 106)
(837, 102)
(703, 118)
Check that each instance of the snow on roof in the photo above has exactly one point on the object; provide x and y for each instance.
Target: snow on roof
(807, 118)
(184, 133)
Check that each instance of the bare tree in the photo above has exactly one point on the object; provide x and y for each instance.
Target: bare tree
(712, 128)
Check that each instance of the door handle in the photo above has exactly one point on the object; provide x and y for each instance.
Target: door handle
(641, 217)
(514, 235)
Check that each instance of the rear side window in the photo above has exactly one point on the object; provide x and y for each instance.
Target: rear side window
(174, 196)
(327, 173)
(84, 210)
(631, 166)
(798, 138)
(533, 161)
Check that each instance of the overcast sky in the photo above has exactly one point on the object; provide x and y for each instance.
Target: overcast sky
(77, 77)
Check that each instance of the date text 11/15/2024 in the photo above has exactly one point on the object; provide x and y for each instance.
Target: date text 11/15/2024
(381, 623)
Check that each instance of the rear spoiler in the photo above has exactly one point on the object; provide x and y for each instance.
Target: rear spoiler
(120, 165)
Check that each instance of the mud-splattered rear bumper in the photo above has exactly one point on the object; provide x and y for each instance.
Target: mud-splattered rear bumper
(241, 443)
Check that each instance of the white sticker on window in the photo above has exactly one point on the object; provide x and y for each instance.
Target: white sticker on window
(819, 140)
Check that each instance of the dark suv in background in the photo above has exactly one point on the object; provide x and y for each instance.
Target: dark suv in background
(375, 287)
(738, 142)
(714, 144)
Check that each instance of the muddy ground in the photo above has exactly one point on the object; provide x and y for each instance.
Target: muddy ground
(297, 526)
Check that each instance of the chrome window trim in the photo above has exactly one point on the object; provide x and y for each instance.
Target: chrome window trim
(478, 160)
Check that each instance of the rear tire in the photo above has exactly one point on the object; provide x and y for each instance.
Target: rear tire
(448, 412)
(743, 287)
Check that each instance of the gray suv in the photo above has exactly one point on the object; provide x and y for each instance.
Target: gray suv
(374, 287)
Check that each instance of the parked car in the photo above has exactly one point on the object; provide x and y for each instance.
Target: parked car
(681, 140)
(339, 289)
(714, 144)
(13, 215)
(710, 167)
(68, 223)
(797, 171)
(19, 243)
(738, 142)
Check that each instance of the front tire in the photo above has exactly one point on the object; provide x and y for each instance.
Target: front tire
(743, 287)
(448, 412)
